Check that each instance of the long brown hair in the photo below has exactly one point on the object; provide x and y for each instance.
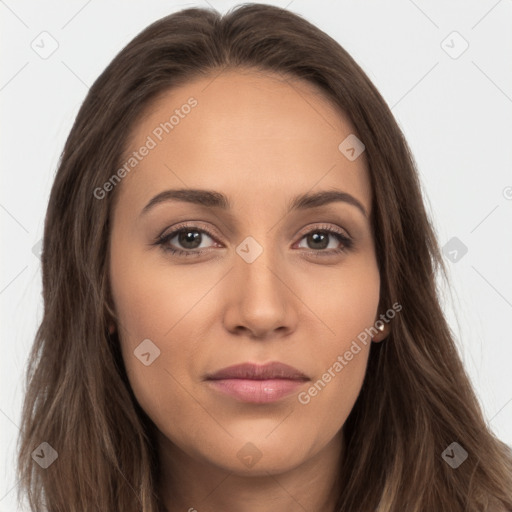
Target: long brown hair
(416, 398)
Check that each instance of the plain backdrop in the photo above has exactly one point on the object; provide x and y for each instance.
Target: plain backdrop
(443, 67)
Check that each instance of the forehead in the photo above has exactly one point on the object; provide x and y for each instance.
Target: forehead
(247, 134)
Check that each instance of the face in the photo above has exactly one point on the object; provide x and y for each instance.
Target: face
(198, 287)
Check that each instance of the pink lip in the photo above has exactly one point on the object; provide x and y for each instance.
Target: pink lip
(256, 391)
(274, 370)
(257, 383)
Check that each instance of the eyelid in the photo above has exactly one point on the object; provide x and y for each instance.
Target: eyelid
(192, 225)
(322, 226)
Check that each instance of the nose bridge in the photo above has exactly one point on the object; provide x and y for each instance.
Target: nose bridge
(261, 299)
(258, 259)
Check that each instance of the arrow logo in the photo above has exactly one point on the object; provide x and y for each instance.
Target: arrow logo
(454, 45)
(351, 147)
(454, 249)
(249, 454)
(454, 455)
(146, 352)
(44, 455)
(249, 249)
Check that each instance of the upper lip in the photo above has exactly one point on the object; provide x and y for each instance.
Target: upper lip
(274, 370)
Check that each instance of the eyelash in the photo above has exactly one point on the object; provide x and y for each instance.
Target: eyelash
(162, 240)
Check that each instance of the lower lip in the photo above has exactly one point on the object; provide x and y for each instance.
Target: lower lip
(257, 391)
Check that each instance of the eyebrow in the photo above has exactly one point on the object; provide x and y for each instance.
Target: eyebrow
(213, 199)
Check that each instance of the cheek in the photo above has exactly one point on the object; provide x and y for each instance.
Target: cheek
(343, 301)
(151, 295)
(327, 402)
(346, 309)
(162, 304)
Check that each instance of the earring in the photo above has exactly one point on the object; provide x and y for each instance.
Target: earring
(380, 327)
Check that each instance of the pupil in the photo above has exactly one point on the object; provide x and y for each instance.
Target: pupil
(319, 237)
(190, 237)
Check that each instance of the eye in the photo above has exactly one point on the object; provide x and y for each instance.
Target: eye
(189, 240)
(320, 240)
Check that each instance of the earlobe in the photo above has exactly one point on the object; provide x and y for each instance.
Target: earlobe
(110, 314)
(383, 332)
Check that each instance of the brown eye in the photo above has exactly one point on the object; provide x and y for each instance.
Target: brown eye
(320, 239)
(185, 241)
(189, 239)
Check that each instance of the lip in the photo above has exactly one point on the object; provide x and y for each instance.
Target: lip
(273, 370)
(253, 383)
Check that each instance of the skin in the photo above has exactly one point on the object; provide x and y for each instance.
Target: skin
(261, 141)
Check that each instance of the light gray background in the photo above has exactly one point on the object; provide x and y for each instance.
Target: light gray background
(456, 114)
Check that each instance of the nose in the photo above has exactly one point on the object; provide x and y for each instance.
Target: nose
(260, 301)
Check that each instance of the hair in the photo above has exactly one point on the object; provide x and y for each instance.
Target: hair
(416, 398)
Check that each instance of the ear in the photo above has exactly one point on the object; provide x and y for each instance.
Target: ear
(383, 332)
(110, 314)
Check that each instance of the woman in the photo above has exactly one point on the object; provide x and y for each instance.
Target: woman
(294, 356)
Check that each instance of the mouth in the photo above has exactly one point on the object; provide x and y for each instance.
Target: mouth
(252, 383)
